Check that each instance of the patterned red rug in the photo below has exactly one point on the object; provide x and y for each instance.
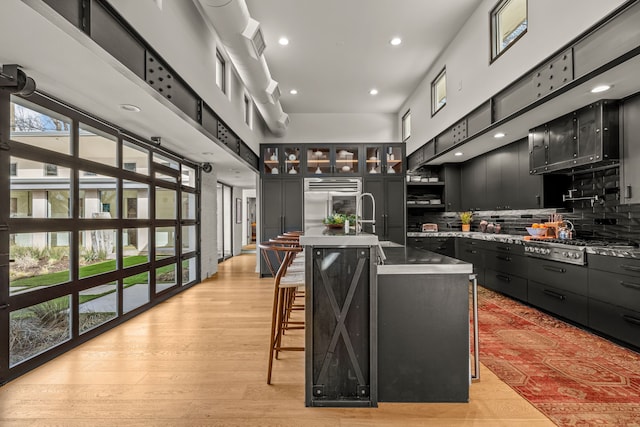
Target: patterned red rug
(572, 376)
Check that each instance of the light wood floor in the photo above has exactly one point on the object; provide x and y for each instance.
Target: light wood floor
(200, 359)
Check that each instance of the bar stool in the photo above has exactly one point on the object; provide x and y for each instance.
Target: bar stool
(285, 286)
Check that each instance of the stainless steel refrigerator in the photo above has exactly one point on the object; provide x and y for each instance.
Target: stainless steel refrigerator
(326, 196)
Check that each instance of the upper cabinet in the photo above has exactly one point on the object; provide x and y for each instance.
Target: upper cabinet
(580, 139)
(333, 159)
(631, 150)
(387, 159)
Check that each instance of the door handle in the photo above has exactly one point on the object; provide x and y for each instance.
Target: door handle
(554, 294)
(554, 269)
(629, 267)
(631, 319)
(630, 285)
(4, 306)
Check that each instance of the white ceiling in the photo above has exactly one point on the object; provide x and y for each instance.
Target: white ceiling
(339, 49)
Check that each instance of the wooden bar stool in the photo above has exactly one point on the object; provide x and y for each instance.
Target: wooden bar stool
(285, 286)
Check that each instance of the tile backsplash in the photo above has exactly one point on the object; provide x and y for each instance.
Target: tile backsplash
(606, 219)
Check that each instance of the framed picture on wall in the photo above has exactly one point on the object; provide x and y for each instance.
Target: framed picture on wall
(238, 211)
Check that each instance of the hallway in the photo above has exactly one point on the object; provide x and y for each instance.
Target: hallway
(200, 359)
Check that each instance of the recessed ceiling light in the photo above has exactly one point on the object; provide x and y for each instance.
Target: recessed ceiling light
(458, 153)
(283, 41)
(373, 92)
(601, 88)
(130, 107)
(395, 41)
(293, 92)
(499, 135)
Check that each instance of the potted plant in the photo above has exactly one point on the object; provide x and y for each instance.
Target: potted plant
(466, 218)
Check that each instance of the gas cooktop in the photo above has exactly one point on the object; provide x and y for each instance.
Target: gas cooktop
(586, 242)
(569, 251)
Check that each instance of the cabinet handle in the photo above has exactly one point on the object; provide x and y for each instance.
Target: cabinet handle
(554, 294)
(630, 267)
(503, 278)
(628, 193)
(554, 269)
(538, 200)
(441, 248)
(503, 258)
(630, 285)
(503, 248)
(4, 306)
(282, 223)
(631, 319)
(472, 251)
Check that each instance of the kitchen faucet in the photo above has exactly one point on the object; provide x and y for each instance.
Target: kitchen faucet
(360, 221)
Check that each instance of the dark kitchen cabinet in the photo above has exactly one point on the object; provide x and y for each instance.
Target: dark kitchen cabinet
(471, 250)
(440, 245)
(614, 297)
(576, 140)
(559, 288)
(505, 269)
(631, 150)
(388, 193)
(281, 208)
(530, 187)
(441, 193)
(281, 160)
(473, 183)
(502, 178)
(386, 159)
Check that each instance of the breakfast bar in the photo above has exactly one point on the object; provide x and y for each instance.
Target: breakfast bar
(377, 315)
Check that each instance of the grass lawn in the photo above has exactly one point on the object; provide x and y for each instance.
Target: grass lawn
(85, 271)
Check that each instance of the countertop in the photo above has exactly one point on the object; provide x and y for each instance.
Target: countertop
(407, 260)
(518, 240)
(319, 235)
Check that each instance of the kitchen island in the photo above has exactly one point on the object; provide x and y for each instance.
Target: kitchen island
(386, 324)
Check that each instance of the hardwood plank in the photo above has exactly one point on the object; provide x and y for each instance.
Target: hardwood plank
(200, 359)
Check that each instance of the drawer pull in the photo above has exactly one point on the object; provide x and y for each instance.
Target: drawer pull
(471, 251)
(631, 319)
(503, 258)
(554, 294)
(629, 267)
(503, 248)
(554, 269)
(503, 278)
(630, 285)
(441, 248)
(4, 306)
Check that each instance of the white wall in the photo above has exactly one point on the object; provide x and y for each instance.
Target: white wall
(209, 224)
(182, 37)
(317, 127)
(471, 80)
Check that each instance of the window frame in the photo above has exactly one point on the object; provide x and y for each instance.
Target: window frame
(406, 135)
(13, 169)
(221, 70)
(247, 107)
(434, 83)
(493, 29)
(50, 169)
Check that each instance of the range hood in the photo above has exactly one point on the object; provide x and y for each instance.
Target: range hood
(587, 138)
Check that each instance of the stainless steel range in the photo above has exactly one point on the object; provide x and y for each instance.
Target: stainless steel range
(568, 251)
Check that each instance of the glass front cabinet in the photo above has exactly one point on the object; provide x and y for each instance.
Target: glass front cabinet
(281, 159)
(333, 159)
(385, 159)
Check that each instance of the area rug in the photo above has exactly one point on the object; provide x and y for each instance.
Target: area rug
(572, 376)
